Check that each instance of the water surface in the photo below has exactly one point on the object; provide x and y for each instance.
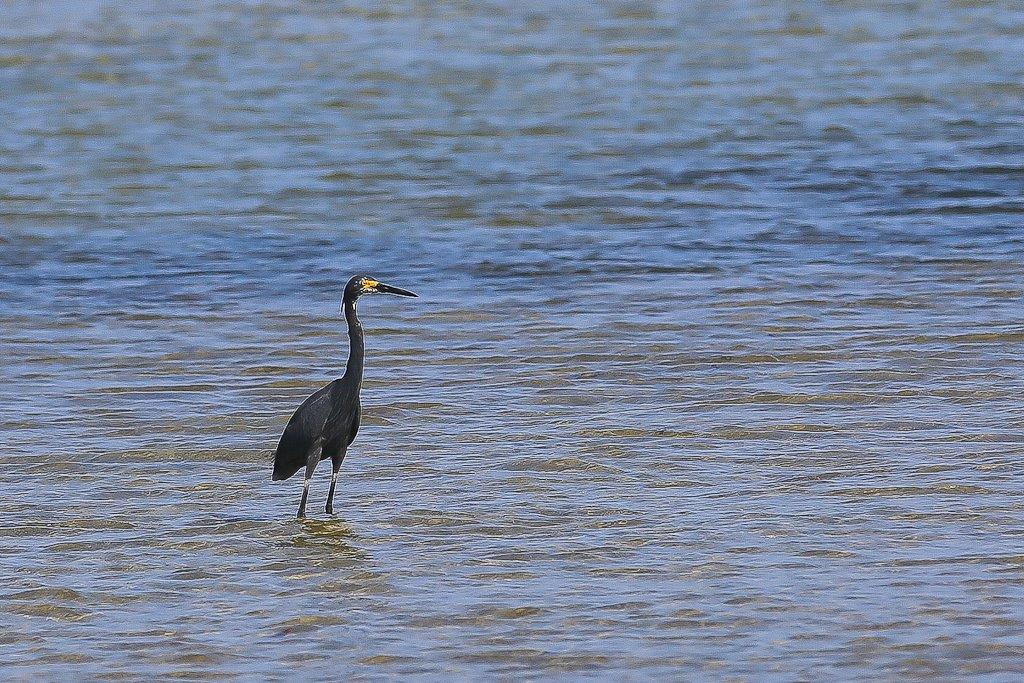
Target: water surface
(716, 370)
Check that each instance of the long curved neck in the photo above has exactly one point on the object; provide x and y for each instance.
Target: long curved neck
(354, 369)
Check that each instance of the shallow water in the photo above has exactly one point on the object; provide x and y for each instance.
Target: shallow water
(716, 370)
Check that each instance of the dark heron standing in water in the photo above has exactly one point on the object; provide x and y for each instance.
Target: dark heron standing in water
(326, 422)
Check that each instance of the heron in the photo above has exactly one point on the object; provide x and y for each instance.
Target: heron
(326, 423)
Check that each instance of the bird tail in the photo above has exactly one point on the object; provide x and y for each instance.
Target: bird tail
(290, 456)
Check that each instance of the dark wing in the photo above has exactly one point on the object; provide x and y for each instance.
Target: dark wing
(341, 427)
(355, 425)
(303, 433)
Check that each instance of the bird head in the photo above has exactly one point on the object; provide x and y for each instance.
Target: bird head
(361, 284)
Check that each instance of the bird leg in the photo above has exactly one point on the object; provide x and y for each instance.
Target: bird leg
(310, 466)
(302, 503)
(335, 466)
(330, 493)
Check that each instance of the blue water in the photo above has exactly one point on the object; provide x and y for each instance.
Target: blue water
(715, 371)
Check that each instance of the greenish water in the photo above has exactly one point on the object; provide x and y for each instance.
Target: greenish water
(715, 373)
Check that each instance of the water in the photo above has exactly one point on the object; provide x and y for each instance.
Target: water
(716, 370)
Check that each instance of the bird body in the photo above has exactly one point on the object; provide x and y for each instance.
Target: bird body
(326, 423)
(308, 431)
